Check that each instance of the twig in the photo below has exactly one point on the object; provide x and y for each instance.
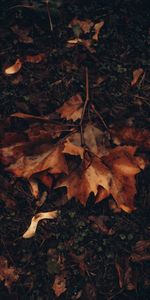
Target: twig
(85, 104)
(100, 117)
(49, 15)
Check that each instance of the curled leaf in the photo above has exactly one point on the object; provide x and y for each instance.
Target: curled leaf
(34, 222)
(97, 28)
(136, 75)
(14, 68)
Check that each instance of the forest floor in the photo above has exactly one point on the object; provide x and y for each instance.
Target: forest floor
(77, 248)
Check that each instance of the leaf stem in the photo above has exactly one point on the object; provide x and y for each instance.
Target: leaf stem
(85, 104)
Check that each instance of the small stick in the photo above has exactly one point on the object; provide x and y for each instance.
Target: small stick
(85, 104)
(49, 15)
(101, 118)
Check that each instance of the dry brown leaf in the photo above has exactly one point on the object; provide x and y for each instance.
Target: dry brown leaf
(34, 187)
(96, 142)
(123, 165)
(34, 222)
(136, 75)
(86, 179)
(14, 68)
(132, 136)
(85, 25)
(59, 285)
(51, 159)
(35, 58)
(88, 44)
(7, 274)
(72, 109)
(27, 116)
(72, 149)
(97, 27)
(115, 173)
(23, 34)
(141, 246)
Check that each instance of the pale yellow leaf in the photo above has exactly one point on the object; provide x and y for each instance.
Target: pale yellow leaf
(34, 222)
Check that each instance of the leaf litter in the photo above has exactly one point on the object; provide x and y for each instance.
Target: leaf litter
(78, 150)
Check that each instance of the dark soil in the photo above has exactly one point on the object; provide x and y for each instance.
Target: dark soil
(90, 255)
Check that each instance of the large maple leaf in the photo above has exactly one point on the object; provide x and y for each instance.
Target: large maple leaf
(115, 173)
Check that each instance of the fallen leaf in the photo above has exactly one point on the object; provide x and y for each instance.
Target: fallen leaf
(51, 159)
(72, 149)
(34, 222)
(96, 142)
(59, 285)
(136, 75)
(7, 274)
(141, 246)
(72, 109)
(34, 187)
(74, 42)
(97, 27)
(115, 173)
(85, 25)
(14, 68)
(86, 179)
(35, 58)
(27, 116)
(132, 136)
(23, 34)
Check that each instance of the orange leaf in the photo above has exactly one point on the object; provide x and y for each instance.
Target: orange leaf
(85, 25)
(72, 149)
(48, 158)
(59, 285)
(86, 179)
(136, 75)
(132, 136)
(72, 109)
(35, 58)
(97, 27)
(14, 68)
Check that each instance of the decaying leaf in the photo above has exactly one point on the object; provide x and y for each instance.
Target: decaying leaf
(136, 75)
(19, 62)
(35, 58)
(47, 158)
(34, 222)
(132, 136)
(14, 68)
(96, 142)
(86, 179)
(85, 25)
(115, 173)
(27, 116)
(97, 28)
(7, 274)
(72, 109)
(72, 149)
(34, 187)
(23, 34)
(59, 285)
